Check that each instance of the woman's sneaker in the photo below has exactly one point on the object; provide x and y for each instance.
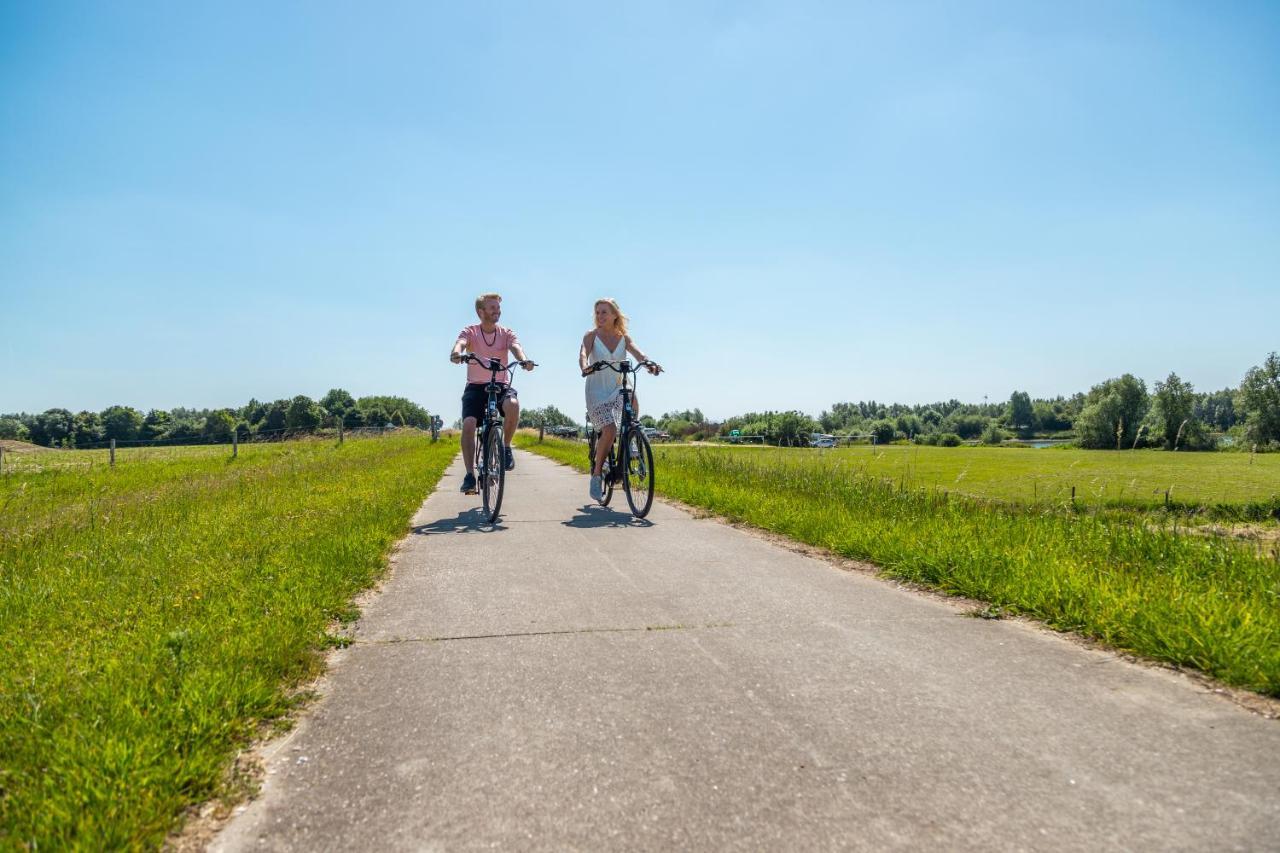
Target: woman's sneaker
(469, 484)
(597, 489)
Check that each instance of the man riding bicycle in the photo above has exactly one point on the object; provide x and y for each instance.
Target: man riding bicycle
(487, 340)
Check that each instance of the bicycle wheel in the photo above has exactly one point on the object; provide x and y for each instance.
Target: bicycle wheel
(494, 471)
(637, 473)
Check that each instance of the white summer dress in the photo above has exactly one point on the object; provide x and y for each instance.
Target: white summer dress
(604, 387)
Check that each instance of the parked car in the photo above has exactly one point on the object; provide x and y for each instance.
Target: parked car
(655, 434)
(818, 439)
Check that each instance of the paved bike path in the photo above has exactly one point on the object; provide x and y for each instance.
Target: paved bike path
(572, 680)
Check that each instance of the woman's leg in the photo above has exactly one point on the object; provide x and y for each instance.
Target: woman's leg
(604, 442)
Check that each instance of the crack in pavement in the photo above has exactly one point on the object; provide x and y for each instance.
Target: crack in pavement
(399, 640)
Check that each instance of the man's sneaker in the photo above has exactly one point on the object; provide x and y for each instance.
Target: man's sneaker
(469, 484)
(597, 489)
(510, 458)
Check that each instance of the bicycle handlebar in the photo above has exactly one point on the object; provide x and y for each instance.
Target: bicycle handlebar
(623, 367)
(494, 365)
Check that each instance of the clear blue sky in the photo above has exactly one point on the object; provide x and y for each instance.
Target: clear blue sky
(203, 203)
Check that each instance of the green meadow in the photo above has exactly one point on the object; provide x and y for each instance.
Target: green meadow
(1137, 581)
(1235, 485)
(157, 614)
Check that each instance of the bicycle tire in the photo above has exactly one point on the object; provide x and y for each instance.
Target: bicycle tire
(494, 472)
(637, 473)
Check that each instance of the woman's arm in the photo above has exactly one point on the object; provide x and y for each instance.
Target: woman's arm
(584, 354)
(635, 350)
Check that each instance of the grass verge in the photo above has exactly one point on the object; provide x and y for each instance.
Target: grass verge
(1193, 601)
(156, 614)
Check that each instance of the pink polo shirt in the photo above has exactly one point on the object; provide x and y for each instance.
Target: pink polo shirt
(488, 345)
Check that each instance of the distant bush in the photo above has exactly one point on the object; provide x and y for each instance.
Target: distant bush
(993, 434)
(884, 431)
(949, 439)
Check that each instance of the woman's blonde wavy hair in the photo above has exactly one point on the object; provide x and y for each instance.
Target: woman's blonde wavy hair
(619, 319)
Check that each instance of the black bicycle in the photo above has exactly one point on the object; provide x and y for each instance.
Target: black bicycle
(631, 445)
(491, 463)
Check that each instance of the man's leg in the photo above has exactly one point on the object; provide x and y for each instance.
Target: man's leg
(510, 419)
(469, 444)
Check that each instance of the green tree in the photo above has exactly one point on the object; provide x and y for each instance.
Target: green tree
(993, 434)
(87, 429)
(792, 428)
(219, 425)
(122, 423)
(1112, 413)
(883, 430)
(1020, 414)
(965, 425)
(909, 425)
(1259, 401)
(274, 418)
(14, 429)
(303, 414)
(154, 425)
(52, 427)
(1172, 419)
(397, 418)
(337, 401)
(414, 415)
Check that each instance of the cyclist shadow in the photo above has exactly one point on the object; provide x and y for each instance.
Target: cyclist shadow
(601, 516)
(468, 521)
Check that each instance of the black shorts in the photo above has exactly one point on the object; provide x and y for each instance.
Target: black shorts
(475, 399)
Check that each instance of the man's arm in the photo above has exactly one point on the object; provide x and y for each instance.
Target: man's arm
(459, 346)
(518, 351)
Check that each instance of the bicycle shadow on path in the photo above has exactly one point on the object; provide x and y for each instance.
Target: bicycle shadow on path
(600, 516)
(468, 521)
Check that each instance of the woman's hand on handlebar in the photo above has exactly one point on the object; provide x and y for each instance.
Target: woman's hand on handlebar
(653, 367)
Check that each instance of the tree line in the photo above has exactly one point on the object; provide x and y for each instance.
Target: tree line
(62, 428)
(1119, 413)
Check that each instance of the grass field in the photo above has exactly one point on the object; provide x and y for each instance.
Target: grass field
(1131, 580)
(156, 614)
(1229, 484)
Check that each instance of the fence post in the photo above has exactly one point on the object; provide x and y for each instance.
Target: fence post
(1073, 496)
(340, 431)
(1, 458)
(235, 443)
(113, 452)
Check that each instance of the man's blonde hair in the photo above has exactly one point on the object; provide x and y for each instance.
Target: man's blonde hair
(619, 319)
(482, 297)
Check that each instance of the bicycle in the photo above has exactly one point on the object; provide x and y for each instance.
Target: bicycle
(631, 444)
(491, 467)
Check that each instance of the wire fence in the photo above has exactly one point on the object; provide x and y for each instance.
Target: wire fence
(29, 458)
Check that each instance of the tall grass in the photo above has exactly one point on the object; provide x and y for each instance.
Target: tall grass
(1189, 600)
(155, 614)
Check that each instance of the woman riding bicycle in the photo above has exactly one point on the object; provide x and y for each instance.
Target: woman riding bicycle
(608, 342)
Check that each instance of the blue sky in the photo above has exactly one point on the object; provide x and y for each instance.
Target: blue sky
(796, 203)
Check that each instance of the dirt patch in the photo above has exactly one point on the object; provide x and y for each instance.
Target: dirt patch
(12, 446)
